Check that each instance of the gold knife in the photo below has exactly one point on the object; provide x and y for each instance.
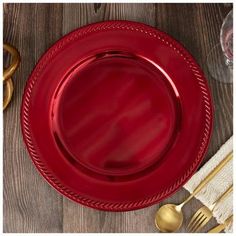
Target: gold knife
(221, 227)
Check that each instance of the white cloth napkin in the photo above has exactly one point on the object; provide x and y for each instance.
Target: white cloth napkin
(217, 186)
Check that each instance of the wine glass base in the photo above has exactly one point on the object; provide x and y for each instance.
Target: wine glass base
(217, 66)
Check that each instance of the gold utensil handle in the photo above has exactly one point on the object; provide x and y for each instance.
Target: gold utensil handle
(221, 227)
(217, 229)
(213, 173)
(229, 220)
(8, 72)
(209, 177)
(222, 197)
(8, 91)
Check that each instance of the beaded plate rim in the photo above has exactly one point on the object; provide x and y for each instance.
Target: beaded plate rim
(77, 34)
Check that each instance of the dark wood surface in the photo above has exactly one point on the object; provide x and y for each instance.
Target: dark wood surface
(30, 204)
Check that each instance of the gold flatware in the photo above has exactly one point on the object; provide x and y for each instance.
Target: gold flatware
(169, 217)
(8, 91)
(221, 227)
(204, 214)
(8, 72)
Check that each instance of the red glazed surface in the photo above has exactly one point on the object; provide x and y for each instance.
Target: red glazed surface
(117, 115)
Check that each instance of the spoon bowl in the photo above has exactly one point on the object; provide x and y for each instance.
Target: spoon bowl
(169, 218)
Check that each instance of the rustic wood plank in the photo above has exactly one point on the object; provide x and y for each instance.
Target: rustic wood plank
(30, 204)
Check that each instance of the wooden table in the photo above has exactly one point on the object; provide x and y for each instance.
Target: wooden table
(30, 204)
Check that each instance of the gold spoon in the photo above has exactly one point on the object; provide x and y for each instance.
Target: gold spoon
(169, 217)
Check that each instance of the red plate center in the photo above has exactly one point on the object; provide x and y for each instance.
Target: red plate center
(115, 114)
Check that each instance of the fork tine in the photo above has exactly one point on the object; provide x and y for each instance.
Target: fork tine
(201, 224)
(196, 222)
(195, 217)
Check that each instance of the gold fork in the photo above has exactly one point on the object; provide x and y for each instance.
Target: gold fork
(204, 214)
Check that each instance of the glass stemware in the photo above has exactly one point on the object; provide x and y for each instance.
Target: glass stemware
(220, 58)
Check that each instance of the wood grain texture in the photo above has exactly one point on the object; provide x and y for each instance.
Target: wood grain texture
(30, 204)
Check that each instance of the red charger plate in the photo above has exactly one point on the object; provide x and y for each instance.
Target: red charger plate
(117, 115)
